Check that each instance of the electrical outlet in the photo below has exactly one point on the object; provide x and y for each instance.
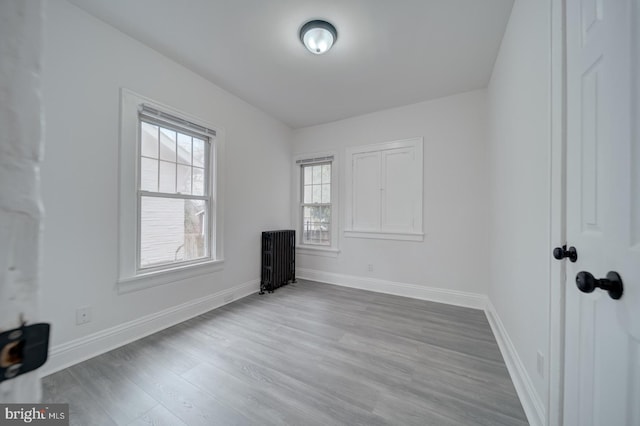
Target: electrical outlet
(83, 315)
(370, 267)
(540, 364)
(228, 298)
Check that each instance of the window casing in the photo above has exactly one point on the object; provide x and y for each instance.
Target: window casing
(169, 184)
(316, 206)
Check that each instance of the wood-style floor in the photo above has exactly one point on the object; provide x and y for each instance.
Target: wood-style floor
(308, 354)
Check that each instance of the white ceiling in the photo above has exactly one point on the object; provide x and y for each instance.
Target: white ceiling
(388, 53)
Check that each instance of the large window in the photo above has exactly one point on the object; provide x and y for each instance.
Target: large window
(170, 223)
(173, 194)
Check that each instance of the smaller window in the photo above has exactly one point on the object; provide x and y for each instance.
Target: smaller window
(316, 203)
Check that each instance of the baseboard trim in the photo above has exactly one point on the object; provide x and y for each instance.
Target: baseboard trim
(434, 294)
(83, 348)
(531, 402)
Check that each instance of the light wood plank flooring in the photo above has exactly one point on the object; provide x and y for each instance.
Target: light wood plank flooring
(308, 354)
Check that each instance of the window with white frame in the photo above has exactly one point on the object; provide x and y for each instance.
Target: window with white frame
(317, 221)
(316, 203)
(168, 195)
(174, 197)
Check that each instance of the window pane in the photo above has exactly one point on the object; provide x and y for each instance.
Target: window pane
(149, 140)
(184, 149)
(316, 224)
(307, 194)
(307, 175)
(172, 230)
(326, 193)
(317, 194)
(326, 173)
(184, 179)
(198, 181)
(167, 177)
(167, 144)
(148, 174)
(198, 152)
(317, 174)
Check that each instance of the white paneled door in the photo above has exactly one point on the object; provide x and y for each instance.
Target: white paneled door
(602, 336)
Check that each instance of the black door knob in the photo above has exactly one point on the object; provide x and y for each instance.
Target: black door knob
(613, 283)
(562, 252)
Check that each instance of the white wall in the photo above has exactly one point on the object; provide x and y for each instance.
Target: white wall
(453, 255)
(474, 243)
(519, 129)
(86, 64)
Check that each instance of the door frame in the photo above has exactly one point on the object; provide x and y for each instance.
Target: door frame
(557, 211)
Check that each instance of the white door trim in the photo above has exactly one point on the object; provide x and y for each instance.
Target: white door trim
(557, 230)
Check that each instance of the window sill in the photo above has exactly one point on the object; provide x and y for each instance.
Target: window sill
(166, 276)
(317, 251)
(381, 235)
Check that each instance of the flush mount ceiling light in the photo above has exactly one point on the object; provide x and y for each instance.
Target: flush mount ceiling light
(318, 36)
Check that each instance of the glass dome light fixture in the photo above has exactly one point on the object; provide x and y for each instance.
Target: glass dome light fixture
(318, 36)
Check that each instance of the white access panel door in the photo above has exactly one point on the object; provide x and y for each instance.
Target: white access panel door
(366, 191)
(399, 189)
(602, 336)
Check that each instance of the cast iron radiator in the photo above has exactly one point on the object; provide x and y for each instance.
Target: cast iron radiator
(278, 259)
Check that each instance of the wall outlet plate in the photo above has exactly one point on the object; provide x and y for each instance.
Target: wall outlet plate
(83, 315)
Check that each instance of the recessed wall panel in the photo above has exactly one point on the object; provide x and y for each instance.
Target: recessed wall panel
(635, 133)
(589, 149)
(398, 190)
(588, 314)
(591, 11)
(366, 191)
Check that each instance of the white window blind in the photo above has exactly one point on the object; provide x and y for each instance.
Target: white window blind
(154, 114)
